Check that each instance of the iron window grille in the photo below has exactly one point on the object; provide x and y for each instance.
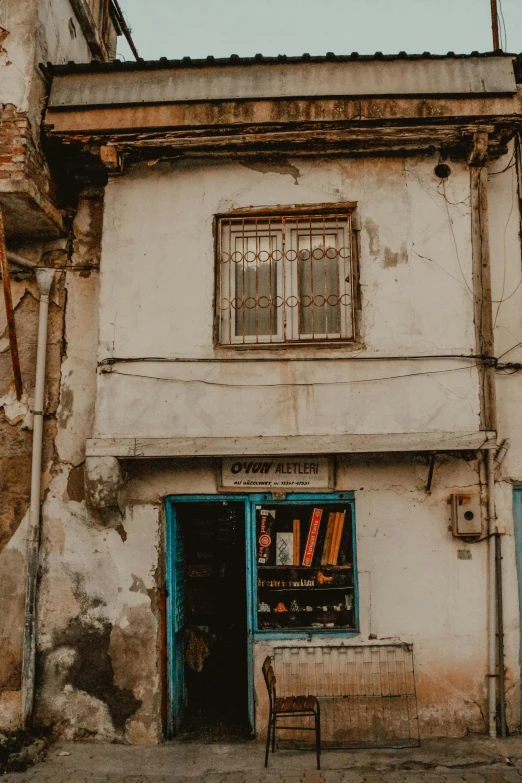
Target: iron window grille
(286, 278)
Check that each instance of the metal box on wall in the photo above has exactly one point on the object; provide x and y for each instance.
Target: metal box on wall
(466, 515)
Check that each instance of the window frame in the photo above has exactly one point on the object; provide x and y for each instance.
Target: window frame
(262, 634)
(287, 329)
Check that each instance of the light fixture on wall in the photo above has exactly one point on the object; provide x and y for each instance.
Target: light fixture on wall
(442, 170)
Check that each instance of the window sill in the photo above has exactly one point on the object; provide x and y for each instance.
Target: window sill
(316, 633)
(291, 350)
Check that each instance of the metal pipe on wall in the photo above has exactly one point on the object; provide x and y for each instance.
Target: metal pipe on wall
(492, 599)
(500, 631)
(21, 261)
(44, 278)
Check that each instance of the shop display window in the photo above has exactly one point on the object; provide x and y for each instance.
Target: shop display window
(305, 566)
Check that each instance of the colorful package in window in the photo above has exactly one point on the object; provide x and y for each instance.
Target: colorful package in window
(265, 536)
(284, 548)
(312, 536)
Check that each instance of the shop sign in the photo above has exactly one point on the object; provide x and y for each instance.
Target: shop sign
(283, 473)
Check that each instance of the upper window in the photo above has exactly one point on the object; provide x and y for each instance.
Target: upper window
(286, 277)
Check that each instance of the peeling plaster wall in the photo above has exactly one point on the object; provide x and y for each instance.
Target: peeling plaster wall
(34, 32)
(413, 587)
(415, 272)
(98, 615)
(97, 655)
(15, 467)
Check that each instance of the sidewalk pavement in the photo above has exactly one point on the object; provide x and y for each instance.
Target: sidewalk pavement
(477, 759)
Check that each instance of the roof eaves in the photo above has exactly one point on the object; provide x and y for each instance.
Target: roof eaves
(259, 59)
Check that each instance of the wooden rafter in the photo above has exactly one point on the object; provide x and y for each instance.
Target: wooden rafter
(8, 299)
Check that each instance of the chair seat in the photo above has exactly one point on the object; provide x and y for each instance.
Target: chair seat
(292, 704)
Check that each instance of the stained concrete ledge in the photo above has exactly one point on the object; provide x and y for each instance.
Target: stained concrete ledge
(473, 759)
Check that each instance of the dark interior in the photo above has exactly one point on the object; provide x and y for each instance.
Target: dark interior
(216, 674)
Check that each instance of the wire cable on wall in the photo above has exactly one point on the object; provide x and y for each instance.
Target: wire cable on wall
(289, 385)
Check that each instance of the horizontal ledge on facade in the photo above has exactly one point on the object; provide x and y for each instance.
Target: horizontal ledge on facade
(148, 448)
(28, 212)
(426, 77)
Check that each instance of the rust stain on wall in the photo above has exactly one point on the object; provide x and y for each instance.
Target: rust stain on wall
(372, 230)
(392, 259)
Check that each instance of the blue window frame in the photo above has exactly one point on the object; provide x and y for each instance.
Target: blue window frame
(332, 499)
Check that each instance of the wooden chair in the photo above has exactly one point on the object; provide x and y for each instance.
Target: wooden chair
(289, 707)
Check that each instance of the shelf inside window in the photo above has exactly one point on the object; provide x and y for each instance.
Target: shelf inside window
(322, 595)
(322, 588)
(308, 569)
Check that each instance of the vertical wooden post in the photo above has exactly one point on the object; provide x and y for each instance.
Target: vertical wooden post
(8, 299)
(482, 277)
(494, 26)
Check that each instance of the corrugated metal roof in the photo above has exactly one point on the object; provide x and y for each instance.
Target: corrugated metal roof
(234, 59)
(135, 83)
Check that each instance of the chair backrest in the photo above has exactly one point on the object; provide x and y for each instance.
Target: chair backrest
(270, 678)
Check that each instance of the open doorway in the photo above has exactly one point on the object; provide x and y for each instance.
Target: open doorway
(214, 632)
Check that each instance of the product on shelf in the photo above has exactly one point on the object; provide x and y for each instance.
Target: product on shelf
(297, 542)
(325, 557)
(324, 580)
(284, 548)
(312, 536)
(265, 537)
(338, 532)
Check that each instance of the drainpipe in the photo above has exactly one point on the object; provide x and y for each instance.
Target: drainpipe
(20, 260)
(44, 278)
(492, 598)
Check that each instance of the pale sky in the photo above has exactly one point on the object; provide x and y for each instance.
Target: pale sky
(197, 28)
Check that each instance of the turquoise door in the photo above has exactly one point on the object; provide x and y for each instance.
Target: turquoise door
(176, 602)
(517, 519)
(176, 626)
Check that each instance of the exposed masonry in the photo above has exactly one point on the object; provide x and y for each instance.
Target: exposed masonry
(25, 176)
(93, 656)
(19, 155)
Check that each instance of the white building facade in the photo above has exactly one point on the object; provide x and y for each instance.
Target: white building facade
(292, 395)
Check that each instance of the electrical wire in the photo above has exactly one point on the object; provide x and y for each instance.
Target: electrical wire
(505, 260)
(454, 239)
(511, 163)
(111, 360)
(509, 351)
(289, 385)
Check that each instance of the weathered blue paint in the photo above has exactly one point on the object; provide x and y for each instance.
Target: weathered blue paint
(174, 642)
(175, 646)
(175, 622)
(517, 519)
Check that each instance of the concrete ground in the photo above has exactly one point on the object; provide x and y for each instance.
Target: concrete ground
(472, 760)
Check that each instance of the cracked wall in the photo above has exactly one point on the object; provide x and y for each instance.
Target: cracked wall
(415, 278)
(97, 612)
(413, 587)
(15, 461)
(98, 607)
